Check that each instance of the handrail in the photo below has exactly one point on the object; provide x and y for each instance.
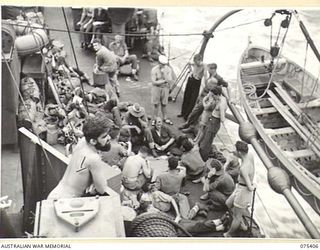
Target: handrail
(207, 35)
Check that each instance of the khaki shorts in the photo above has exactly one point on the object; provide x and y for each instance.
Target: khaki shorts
(159, 95)
(134, 183)
(242, 197)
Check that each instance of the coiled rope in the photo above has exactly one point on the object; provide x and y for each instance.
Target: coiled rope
(156, 225)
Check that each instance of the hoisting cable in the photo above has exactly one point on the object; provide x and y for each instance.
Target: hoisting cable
(75, 57)
(304, 69)
(25, 107)
(273, 69)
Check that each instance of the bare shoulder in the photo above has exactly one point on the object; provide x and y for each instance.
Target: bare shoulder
(93, 161)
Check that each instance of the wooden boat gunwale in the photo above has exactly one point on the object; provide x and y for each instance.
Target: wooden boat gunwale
(297, 171)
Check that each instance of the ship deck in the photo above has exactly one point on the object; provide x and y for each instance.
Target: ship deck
(130, 91)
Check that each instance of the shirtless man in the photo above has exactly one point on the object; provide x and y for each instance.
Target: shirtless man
(85, 164)
(136, 170)
(242, 195)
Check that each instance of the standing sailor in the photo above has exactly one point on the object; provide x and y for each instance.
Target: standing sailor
(241, 198)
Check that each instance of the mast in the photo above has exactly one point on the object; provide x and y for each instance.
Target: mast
(307, 36)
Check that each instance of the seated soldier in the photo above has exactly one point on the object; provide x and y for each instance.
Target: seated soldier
(170, 183)
(152, 201)
(117, 154)
(135, 120)
(191, 159)
(215, 154)
(120, 49)
(136, 170)
(85, 166)
(111, 110)
(153, 48)
(163, 136)
(85, 24)
(219, 186)
(101, 21)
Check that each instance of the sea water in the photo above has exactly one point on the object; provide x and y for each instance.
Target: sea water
(272, 211)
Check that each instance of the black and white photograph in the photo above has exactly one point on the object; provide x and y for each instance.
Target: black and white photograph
(138, 122)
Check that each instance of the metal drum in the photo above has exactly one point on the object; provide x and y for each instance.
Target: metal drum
(31, 43)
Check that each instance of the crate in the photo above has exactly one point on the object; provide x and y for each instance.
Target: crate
(34, 66)
(100, 78)
(96, 217)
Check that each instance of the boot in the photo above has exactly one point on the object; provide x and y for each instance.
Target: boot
(154, 153)
(188, 130)
(193, 212)
(184, 126)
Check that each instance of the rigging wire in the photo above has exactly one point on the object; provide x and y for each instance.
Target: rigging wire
(274, 67)
(304, 68)
(25, 107)
(239, 25)
(75, 57)
(143, 34)
(184, 70)
(266, 211)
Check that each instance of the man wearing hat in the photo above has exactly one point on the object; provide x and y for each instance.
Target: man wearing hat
(136, 122)
(162, 78)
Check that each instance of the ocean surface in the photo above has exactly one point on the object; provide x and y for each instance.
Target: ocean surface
(272, 210)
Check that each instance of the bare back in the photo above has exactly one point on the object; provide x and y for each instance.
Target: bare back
(133, 166)
(78, 175)
(247, 168)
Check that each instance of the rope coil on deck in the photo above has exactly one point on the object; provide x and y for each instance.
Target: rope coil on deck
(155, 225)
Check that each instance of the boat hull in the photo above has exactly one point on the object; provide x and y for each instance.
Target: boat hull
(280, 136)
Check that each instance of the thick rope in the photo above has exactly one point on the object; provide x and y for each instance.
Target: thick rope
(155, 225)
